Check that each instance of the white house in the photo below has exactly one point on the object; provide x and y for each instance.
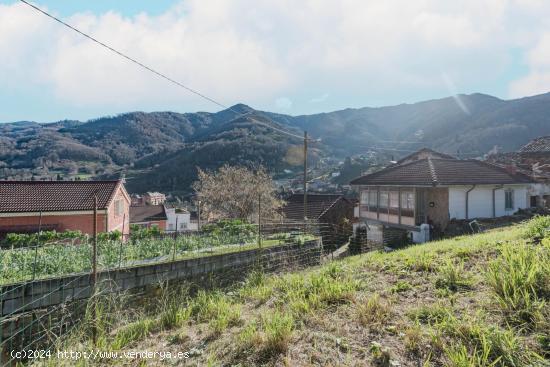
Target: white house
(426, 193)
(180, 220)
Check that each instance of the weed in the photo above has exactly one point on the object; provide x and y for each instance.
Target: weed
(413, 339)
(401, 286)
(452, 276)
(277, 328)
(432, 314)
(374, 311)
(215, 308)
(380, 355)
(133, 332)
(520, 280)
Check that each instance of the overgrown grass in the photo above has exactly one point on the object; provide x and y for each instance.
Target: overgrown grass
(520, 279)
(370, 301)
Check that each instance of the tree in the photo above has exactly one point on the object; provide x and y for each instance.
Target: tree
(234, 192)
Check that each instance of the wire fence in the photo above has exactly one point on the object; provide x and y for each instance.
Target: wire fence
(45, 288)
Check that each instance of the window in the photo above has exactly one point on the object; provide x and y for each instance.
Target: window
(171, 226)
(372, 198)
(509, 200)
(394, 199)
(384, 197)
(365, 197)
(119, 207)
(407, 203)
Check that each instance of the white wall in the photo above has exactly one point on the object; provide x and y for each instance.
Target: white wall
(481, 201)
(183, 221)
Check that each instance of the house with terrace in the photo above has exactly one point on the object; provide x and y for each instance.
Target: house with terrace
(418, 198)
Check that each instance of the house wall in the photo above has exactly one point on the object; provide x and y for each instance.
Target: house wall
(481, 201)
(122, 221)
(183, 221)
(63, 222)
(439, 212)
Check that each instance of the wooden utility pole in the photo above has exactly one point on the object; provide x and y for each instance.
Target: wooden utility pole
(305, 175)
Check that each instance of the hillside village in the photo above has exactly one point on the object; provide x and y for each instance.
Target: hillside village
(300, 229)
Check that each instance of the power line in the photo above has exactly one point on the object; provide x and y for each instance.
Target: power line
(164, 76)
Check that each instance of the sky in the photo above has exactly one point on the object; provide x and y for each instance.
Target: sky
(286, 56)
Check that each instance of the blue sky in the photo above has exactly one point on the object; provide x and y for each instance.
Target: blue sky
(275, 55)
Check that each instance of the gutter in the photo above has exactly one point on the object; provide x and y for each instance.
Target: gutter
(468, 199)
(494, 205)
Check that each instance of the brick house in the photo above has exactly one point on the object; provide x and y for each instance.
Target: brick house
(149, 216)
(423, 195)
(26, 206)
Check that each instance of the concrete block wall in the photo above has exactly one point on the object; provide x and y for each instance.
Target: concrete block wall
(45, 293)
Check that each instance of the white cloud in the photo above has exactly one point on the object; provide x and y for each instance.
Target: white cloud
(320, 98)
(255, 52)
(283, 103)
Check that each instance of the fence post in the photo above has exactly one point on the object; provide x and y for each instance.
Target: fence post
(121, 241)
(260, 221)
(94, 275)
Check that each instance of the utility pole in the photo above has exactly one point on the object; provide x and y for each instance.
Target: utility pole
(305, 175)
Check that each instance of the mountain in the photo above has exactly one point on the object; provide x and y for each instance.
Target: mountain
(162, 150)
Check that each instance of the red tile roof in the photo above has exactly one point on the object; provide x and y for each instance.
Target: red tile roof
(36, 196)
(434, 172)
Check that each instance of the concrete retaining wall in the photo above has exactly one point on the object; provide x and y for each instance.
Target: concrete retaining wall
(23, 297)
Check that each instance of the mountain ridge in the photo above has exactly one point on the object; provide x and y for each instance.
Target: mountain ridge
(161, 150)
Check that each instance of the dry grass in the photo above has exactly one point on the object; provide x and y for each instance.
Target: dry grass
(468, 301)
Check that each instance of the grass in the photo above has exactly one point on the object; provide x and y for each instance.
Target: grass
(416, 306)
(520, 280)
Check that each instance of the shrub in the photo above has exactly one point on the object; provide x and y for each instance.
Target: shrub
(538, 227)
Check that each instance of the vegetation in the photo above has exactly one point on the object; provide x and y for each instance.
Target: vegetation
(478, 300)
(237, 192)
(68, 253)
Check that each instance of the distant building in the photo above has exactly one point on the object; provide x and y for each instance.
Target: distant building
(29, 206)
(180, 220)
(326, 208)
(333, 213)
(154, 198)
(534, 160)
(423, 195)
(149, 216)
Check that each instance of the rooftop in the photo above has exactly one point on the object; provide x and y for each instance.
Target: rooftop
(47, 196)
(147, 213)
(537, 145)
(434, 172)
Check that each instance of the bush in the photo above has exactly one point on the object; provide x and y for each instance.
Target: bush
(538, 227)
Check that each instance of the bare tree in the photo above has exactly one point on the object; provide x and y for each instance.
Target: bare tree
(234, 192)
